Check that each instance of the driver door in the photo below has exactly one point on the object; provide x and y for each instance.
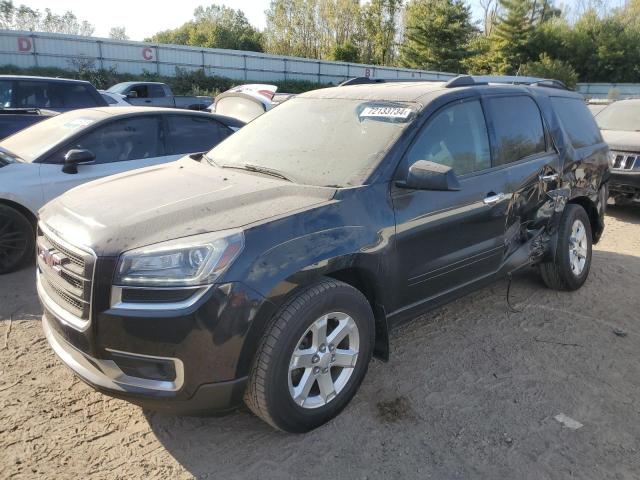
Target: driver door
(118, 146)
(448, 239)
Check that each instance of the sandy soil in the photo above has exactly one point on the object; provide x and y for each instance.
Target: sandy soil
(471, 391)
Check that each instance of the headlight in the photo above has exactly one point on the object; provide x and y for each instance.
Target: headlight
(196, 260)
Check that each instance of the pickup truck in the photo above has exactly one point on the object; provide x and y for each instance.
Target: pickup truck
(156, 94)
(28, 100)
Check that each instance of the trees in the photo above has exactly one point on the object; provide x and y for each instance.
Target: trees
(437, 35)
(547, 67)
(118, 33)
(214, 27)
(22, 17)
(380, 26)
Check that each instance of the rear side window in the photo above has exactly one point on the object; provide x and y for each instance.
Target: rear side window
(518, 128)
(156, 91)
(6, 89)
(456, 136)
(577, 121)
(37, 95)
(76, 96)
(191, 134)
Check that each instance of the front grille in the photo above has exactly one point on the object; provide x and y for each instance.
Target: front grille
(624, 161)
(66, 274)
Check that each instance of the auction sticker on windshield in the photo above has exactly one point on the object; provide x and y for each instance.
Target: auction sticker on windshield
(386, 112)
(77, 123)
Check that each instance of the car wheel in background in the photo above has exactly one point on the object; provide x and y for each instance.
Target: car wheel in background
(17, 239)
(312, 358)
(571, 267)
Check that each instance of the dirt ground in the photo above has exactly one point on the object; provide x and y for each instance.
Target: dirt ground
(472, 391)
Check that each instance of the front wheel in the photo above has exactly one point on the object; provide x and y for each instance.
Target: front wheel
(17, 239)
(570, 268)
(313, 357)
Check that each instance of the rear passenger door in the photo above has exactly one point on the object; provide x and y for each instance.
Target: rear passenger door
(448, 239)
(521, 145)
(193, 134)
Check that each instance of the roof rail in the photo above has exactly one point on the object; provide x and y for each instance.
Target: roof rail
(469, 80)
(369, 80)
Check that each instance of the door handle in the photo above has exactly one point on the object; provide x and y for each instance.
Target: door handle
(491, 199)
(552, 177)
(147, 101)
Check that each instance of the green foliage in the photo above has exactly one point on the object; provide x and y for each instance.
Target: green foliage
(437, 35)
(380, 19)
(346, 52)
(184, 83)
(547, 67)
(21, 17)
(214, 27)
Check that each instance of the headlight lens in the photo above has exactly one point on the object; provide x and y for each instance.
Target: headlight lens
(196, 260)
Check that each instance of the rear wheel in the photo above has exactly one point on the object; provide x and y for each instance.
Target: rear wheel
(313, 357)
(571, 267)
(16, 239)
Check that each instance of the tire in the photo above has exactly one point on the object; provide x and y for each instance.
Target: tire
(17, 239)
(273, 381)
(564, 273)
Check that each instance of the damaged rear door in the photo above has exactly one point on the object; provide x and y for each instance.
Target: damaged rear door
(520, 142)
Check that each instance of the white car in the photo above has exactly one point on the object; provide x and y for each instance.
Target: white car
(114, 99)
(55, 155)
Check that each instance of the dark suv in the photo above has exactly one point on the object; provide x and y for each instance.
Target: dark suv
(273, 269)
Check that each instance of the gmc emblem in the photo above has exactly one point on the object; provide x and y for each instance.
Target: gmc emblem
(52, 260)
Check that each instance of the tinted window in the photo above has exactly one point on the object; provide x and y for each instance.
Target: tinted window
(5, 93)
(141, 90)
(37, 95)
(190, 133)
(156, 91)
(75, 96)
(577, 120)
(455, 137)
(127, 139)
(518, 128)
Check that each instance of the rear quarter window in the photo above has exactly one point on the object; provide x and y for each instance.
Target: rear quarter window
(577, 121)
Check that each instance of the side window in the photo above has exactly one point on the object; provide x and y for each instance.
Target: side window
(156, 91)
(518, 128)
(141, 90)
(456, 137)
(577, 121)
(127, 139)
(37, 95)
(73, 96)
(193, 133)
(6, 91)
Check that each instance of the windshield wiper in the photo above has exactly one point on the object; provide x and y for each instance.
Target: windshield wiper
(254, 168)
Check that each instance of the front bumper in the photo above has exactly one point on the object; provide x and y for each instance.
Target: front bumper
(184, 361)
(625, 182)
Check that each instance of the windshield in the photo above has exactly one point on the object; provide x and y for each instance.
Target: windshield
(324, 142)
(620, 116)
(119, 88)
(32, 142)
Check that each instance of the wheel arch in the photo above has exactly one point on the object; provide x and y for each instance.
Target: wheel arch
(32, 217)
(595, 212)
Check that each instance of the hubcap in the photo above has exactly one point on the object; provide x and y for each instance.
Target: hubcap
(13, 242)
(323, 360)
(578, 248)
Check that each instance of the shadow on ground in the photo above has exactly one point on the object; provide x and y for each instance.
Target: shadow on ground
(471, 391)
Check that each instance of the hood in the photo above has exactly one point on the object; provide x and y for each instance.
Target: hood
(621, 140)
(170, 201)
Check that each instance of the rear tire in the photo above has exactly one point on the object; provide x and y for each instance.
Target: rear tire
(571, 267)
(312, 358)
(17, 239)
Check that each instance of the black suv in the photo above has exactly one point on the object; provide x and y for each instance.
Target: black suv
(272, 269)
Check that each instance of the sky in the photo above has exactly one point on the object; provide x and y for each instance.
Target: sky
(143, 18)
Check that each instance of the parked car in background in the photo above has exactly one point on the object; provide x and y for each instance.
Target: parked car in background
(156, 94)
(272, 270)
(246, 102)
(114, 99)
(53, 156)
(28, 100)
(620, 126)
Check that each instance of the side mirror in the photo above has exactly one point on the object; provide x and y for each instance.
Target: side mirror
(75, 157)
(132, 94)
(425, 175)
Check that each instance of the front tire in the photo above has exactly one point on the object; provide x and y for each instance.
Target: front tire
(17, 239)
(571, 266)
(312, 358)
